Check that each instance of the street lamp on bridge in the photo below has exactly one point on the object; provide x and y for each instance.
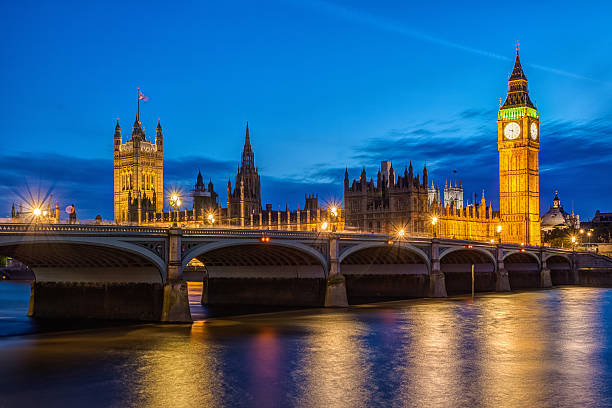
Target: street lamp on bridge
(434, 221)
(175, 203)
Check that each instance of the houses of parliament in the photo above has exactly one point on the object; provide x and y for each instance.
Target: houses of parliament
(406, 201)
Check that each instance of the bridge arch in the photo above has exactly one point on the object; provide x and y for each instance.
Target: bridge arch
(560, 266)
(274, 273)
(376, 271)
(302, 251)
(456, 265)
(400, 247)
(533, 256)
(524, 269)
(83, 253)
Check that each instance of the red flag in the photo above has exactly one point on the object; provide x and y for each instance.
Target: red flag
(142, 96)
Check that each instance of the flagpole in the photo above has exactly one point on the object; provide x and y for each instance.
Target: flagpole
(138, 99)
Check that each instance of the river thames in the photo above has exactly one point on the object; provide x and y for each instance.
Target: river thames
(550, 348)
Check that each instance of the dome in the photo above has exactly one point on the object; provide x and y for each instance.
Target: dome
(554, 218)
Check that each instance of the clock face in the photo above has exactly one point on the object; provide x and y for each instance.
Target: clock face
(534, 131)
(512, 130)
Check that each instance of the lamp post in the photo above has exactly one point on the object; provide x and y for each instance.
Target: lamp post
(175, 203)
(324, 226)
(589, 235)
(499, 230)
(211, 218)
(434, 221)
(37, 212)
(573, 239)
(401, 233)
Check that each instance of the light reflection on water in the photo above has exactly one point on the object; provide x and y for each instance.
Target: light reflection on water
(535, 349)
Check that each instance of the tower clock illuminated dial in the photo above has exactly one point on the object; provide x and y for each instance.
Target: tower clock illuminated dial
(534, 131)
(512, 130)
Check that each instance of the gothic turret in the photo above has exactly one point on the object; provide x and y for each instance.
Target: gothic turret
(117, 136)
(159, 138)
(346, 179)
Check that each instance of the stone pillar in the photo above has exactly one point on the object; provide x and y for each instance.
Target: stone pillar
(502, 283)
(437, 283)
(545, 280)
(574, 266)
(175, 306)
(299, 227)
(335, 290)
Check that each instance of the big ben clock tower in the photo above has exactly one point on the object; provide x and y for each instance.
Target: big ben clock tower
(518, 143)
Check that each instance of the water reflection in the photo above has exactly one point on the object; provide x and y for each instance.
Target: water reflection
(333, 370)
(535, 349)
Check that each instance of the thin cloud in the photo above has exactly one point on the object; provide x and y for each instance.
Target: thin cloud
(382, 24)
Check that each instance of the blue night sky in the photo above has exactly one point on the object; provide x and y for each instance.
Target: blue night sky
(324, 85)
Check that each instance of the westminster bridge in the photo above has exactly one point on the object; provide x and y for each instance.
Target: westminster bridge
(126, 272)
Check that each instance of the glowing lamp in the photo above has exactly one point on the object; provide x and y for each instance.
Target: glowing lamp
(37, 212)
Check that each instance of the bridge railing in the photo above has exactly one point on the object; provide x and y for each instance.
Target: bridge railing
(78, 228)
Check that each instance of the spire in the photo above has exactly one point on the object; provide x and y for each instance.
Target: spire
(247, 139)
(248, 157)
(346, 179)
(199, 179)
(117, 127)
(518, 95)
(517, 71)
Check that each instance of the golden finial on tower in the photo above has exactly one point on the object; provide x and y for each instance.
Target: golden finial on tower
(517, 46)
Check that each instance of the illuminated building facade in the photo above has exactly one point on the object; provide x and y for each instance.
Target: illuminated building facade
(245, 201)
(138, 175)
(204, 199)
(408, 204)
(389, 204)
(518, 142)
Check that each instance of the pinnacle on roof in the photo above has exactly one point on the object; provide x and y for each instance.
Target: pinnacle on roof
(137, 130)
(247, 139)
(159, 123)
(117, 127)
(517, 71)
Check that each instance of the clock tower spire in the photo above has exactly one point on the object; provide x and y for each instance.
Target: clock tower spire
(518, 144)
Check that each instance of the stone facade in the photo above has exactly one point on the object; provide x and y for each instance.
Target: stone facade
(138, 175)
(518, 143)
(388, 205)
